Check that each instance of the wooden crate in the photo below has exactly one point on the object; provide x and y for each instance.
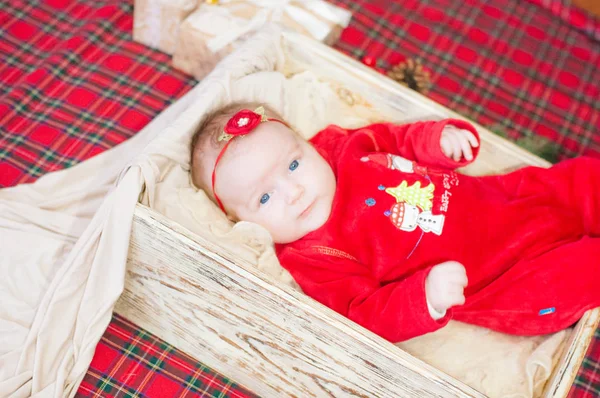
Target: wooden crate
(204, 300)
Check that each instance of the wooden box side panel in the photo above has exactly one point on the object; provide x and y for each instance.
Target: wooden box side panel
(272, 339)
(566, 370)
(276, 341)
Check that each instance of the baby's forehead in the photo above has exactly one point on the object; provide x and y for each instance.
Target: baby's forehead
(269, 138)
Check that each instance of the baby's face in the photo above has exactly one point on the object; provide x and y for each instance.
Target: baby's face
(274, 178)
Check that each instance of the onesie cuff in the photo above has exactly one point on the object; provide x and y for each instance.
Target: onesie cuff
(435, 314)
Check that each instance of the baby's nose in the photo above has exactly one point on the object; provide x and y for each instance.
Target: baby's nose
(295, 193)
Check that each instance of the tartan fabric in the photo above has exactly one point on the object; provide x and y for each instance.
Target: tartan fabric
(130, 362)
(73, 84)
(587, 381)
(512, 66)
(573, 16)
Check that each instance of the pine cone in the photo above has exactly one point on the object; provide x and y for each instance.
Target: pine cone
(411, 74)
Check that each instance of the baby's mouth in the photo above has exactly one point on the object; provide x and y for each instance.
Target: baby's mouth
(307, 210)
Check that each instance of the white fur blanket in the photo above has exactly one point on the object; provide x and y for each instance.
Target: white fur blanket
(64, 238)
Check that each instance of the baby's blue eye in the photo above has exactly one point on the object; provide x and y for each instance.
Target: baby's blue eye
(294, 165)
(265, 198)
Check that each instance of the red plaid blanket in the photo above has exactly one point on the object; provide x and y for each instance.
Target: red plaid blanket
(524, 70)
(130, 362)
(72, 84)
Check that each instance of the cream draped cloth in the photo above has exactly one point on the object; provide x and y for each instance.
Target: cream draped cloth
(64, 238)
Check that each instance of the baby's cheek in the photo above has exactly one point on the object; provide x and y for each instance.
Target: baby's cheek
(270, 223)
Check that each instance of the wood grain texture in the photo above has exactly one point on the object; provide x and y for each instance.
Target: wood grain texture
(277, 342)
(271, 339)
(566, 370)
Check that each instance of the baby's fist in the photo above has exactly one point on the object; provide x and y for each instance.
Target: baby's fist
(457, 143)
(445, 285)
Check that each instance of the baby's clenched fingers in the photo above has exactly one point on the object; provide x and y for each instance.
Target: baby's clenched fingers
(455, 266)
(470, 137)
(473, 140)
(455, 290)
(457, 298)
(460, 279)
(466, 148)
(456, 145)
(446, 146)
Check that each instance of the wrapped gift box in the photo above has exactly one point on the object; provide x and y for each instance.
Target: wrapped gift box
(156, 22)
(213, 30)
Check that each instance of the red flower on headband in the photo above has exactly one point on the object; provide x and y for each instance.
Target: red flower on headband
(243, 122)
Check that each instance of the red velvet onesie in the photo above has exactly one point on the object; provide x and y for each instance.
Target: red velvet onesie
(529, 240)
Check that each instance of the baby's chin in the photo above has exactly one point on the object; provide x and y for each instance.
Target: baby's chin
(316, 221)
(289, 236)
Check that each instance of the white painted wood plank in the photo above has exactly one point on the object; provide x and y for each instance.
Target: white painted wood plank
(272, 339)
(566, 370)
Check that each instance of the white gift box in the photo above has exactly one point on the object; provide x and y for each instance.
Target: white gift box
(214, 30)
(156, 22)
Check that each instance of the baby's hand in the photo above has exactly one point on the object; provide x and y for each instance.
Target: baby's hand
(445, 285)
(456, 143)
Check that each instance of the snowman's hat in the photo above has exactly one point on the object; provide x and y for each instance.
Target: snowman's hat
(379, 158)
(398, 211)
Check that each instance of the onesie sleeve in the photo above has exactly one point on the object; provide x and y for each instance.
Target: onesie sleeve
(396, 311)
(419, 141)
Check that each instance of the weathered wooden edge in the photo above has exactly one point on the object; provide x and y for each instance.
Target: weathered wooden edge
(566, 370)
(431, 382)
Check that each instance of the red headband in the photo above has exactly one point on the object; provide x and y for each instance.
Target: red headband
(240, 124)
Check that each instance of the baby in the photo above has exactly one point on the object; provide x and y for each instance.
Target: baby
(376, 224)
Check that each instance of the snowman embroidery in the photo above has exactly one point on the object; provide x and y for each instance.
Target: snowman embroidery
(413, 208)
(413, 202)
(396, 162)
(407, 217)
